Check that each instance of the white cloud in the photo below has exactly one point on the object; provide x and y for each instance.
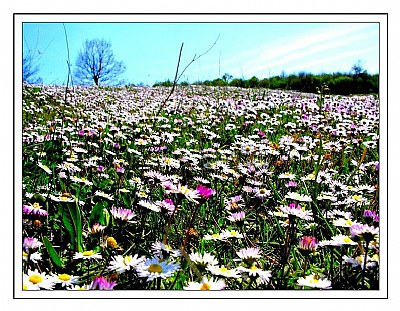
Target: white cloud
(313, 45)
(329, 60)
(324, 53)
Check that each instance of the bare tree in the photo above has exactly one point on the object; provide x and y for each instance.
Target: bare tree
(30, 67)
(96, 63)
(358, 69)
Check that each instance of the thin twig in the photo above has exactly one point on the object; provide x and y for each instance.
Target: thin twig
(197, 57)
(69, 67)
(176, 79)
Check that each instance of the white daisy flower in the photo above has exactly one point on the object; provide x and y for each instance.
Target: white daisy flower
(150, 205)
(206, 284)
(87, 255)
(35, 280)
(246, 253)
(287, 175)
(343, 222)
(338, 240)
(203, 261)
(314, 281)
(45, 167)
(34, 257)
(214, 237)
(103, 195)
(120, 263)
(223, 271)
(296, 210)
(163, 250)
(359, 261)
(231, 234)
(262, 276)
(65, 280)
(298, 197)
(155, 267)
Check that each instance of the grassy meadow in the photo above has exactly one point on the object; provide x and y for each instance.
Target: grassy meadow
(219, 188)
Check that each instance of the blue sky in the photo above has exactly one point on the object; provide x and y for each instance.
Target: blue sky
(150, 50)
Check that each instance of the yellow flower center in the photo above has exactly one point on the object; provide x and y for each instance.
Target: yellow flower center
(34, 278)
(155, 268)
(223, 269)
(127, 260)
(346, 240)
(184, 190)
(205, 286)
(64, 277)
(87, 253)
(111, 242)
(253, 268)
(356, 197)
(36, 205)
(63, 198)
(349, 222)
(216, 235)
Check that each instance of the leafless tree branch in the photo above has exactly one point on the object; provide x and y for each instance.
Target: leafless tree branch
(96, 63)
(176, 79)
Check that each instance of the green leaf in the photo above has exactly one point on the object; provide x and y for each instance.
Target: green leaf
(68, 223)
(38, 198)
(72, 221)
(106, 217)
(126, 200)
(52, 252)
(97, 249)
(97, 215)
(78, 228)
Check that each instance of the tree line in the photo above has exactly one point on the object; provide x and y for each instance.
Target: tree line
(358, 81)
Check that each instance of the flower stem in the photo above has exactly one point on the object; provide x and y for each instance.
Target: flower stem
(365, 261)
(158, 283)
(305, 264)
(286, 251)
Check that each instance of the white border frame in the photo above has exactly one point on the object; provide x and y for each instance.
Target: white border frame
(243, 18)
